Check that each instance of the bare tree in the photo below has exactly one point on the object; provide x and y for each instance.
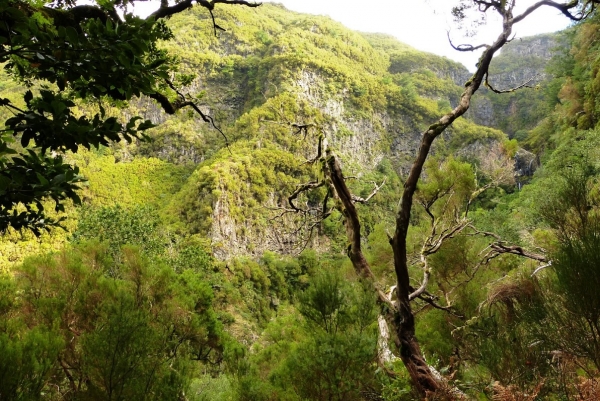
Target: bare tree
(399, 313)
(404, 319)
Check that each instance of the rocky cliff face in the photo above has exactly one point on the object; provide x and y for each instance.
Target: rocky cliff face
(522, 61)
(369, 96)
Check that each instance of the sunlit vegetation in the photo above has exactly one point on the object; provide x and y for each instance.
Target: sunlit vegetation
(185, 273)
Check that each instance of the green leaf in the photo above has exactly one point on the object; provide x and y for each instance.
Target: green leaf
(163, 74)
(59, 179)
(27, 136)
(4, 182)
(28, 96)
(75, 198)
(146, 125)
(42, 179)
(58, 107)
(33, 27)
(72, 35)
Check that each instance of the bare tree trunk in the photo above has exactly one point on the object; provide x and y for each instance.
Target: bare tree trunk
(404, 322)
(401, 321)
(400, 315)
(385, 355)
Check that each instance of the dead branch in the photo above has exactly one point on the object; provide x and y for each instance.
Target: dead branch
(564, 8)
(305, 222)
(283, 120)
(523, 85)
(361, 266)
(166, 11)
(302, 128)
(431, 300)
(318, 214)
(182, 102)
(443, 229)
(428, 203)
(500, 248)
(431, 245)
(539, 268)
(309, 217)
(483, 5)
(319, 151)
(484, 233)
(358, 199)
(450, 229)
(465, 47)
(301, 189)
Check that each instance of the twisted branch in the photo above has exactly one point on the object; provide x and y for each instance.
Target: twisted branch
(465, 47)
(167, 11)
(523, 85)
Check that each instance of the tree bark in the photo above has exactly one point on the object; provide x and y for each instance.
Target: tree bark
(352, 223)
(404, 322)
(399, 315)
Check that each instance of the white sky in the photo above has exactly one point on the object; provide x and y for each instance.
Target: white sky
(422, 24)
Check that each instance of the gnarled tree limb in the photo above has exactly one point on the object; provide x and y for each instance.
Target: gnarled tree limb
(564, 8)
(361, 266)
(465, 47)
(167, 11)
(516, 88)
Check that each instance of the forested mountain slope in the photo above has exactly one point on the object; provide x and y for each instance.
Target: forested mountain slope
(270, 72)
(187, 274)
(274, 71)
(524, 61)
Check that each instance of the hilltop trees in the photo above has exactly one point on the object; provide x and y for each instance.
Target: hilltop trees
(68, 54)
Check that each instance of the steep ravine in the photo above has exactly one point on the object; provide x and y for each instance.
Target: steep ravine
(368, 95)
(523, 61)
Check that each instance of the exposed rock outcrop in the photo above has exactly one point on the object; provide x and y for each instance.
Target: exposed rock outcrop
(369, 96)
(525, 164)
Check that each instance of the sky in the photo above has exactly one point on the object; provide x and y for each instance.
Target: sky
(422, 24)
